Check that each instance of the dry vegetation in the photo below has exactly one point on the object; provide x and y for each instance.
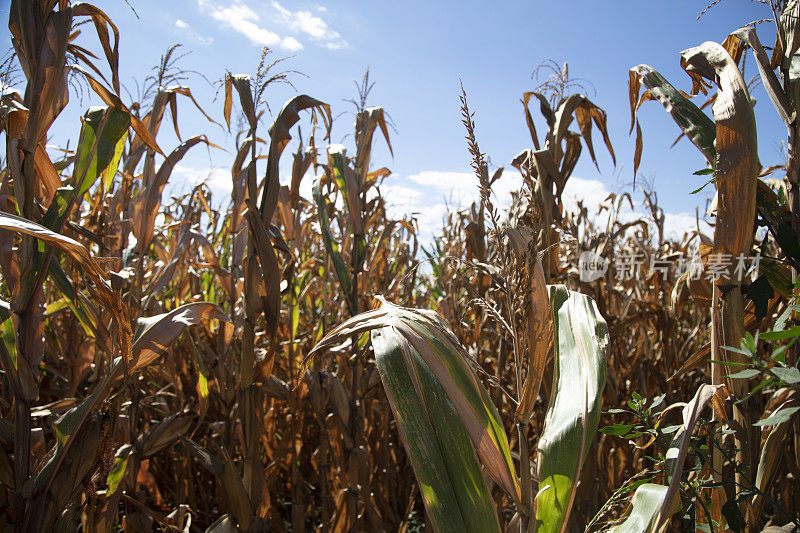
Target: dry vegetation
(157, 369)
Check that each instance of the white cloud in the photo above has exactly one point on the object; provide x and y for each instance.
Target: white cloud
(591, 192)
(311, 25)
(291, 44)
(245, 21)
(678, 224)
(336, 45)
(594, 192)
(185, 28)
(218, 179)
(429, 194)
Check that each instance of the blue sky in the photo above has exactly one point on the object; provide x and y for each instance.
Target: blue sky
(417, 53)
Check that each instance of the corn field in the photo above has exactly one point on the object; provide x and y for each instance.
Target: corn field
(293, 363)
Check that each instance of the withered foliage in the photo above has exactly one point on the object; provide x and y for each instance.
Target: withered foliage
(152, 345)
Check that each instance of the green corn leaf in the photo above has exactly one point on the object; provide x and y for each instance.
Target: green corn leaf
(9, 337)
(118, 469)
(102, 139)
(646, 505)
(345, 180)
(778, 417)
(438, 446)
(342, 272)
(427, 375)
(695, 124)
(574, 411)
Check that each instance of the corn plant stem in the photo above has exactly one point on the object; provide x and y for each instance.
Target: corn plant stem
(133, 413)
(321, 429)
(527, 509)
(355, 419)
(717, 375)
(297, 494)
(525, 474)
(497, 393)
(746, 437)
(793, 177)
(26, 331)
(545, 195)
(248, 354)
(133, 460)
(22, 444)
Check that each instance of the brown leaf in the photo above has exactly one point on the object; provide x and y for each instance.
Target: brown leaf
(770, 81)
(737, 152)
(74, 249)
(157, 333)
(538, 335)
(101, 23)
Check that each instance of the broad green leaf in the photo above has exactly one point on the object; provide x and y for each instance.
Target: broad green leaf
(704, 172)
(9, 337)
(617, 429)
(425, 334)
(342, 271)
(745, 374)
(449, 475)
(646, 505)
(789, 375)
(102, 139)
(581, 340)
(118, 469)
(793, 331)
(780, 415)
(695, 124)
